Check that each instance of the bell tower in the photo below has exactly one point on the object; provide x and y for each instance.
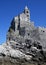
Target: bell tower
(27, 12)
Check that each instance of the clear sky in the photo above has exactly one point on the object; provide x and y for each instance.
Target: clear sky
(11, 8)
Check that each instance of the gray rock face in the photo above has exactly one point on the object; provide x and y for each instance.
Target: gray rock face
(25, 44)
(23, 27)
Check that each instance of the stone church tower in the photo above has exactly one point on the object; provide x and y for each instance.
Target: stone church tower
(27, 12)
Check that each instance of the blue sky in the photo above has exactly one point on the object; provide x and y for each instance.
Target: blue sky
(11, 8)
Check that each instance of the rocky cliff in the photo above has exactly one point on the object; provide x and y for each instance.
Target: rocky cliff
(25, 43)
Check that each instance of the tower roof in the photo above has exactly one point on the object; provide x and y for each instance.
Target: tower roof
(26, 7)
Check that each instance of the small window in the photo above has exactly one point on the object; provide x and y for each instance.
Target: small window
(27, 15)
(27, 11)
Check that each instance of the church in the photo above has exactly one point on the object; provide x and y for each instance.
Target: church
(21, 23)
(23, 28)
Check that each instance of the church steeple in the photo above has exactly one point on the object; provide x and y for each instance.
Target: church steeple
(27, 12)
(26, 8)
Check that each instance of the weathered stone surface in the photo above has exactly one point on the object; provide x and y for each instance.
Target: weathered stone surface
(25, 44)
